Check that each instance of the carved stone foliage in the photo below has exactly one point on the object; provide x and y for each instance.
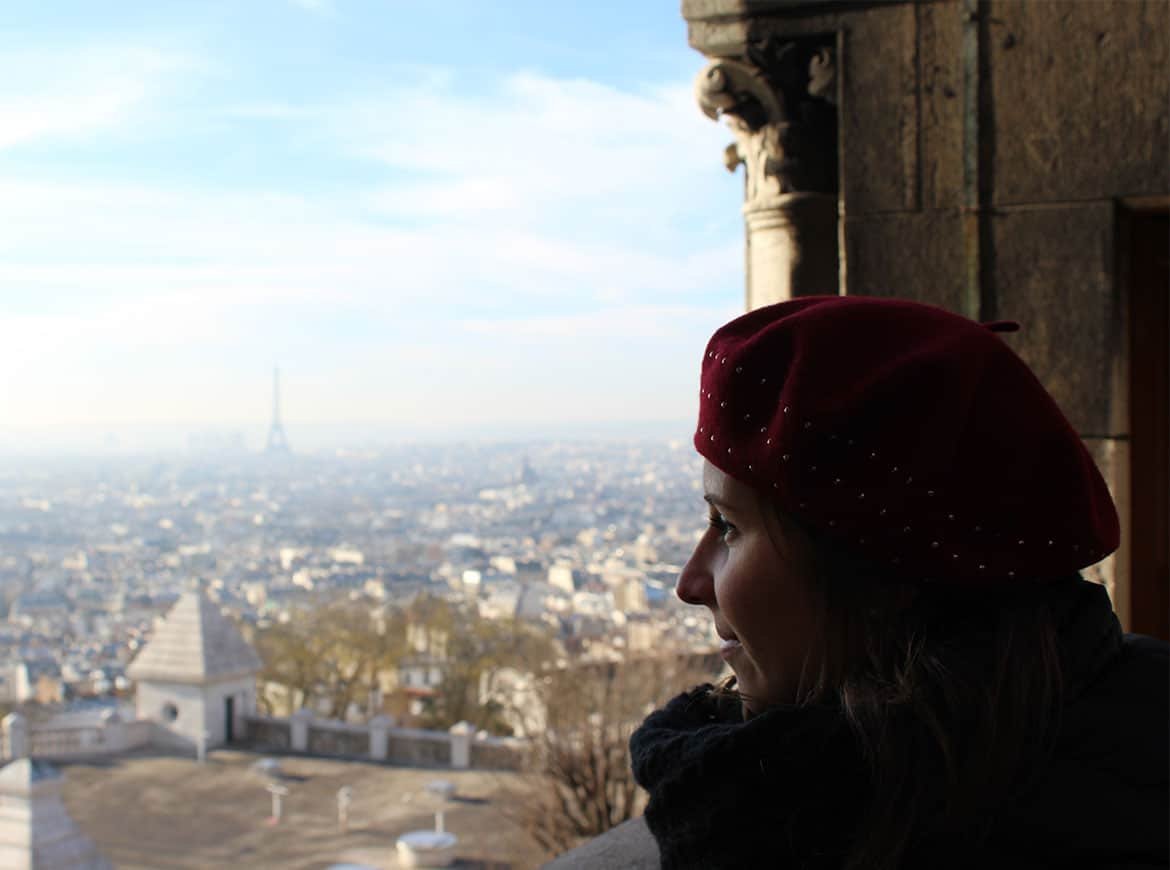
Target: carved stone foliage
(779, 103)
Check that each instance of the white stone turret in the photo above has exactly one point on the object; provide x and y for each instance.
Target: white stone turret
(197, 675)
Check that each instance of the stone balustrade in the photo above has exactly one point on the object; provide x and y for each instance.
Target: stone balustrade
(109, 736)
(380, 740)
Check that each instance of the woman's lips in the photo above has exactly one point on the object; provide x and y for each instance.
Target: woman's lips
(728, 646)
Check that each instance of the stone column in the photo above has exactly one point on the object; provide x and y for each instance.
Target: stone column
(15, 735)
(113, 732)
(461, 735)
(380, 737)
(779, 100)
(298, 724)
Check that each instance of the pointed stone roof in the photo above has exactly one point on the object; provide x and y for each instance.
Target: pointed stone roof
(194, 643)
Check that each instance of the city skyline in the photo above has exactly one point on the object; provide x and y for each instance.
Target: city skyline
(215, 441)
(434, 222)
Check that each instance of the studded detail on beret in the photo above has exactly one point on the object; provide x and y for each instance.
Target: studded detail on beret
(980, 475)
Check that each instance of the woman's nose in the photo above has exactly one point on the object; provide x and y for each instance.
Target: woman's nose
(695, 581)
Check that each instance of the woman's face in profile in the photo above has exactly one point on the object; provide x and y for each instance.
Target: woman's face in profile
(754, 573)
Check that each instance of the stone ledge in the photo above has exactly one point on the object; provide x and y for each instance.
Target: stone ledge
(706, 10)
(629, 846)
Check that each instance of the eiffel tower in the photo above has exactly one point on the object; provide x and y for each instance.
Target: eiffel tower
(277, 440)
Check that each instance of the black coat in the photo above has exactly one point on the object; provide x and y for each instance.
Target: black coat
(786, 788)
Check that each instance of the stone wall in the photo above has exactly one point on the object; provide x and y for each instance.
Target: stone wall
(20, 738)
(499, 753)
(376, 740)
(267, 734)
(988, 151)
(178, 707)
(380, 740)
(418, 748)
(340, 739)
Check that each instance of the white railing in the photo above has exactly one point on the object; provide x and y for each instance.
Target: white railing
(20, 738)
(64, 742)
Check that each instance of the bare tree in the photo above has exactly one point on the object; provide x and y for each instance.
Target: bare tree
(582, 784)
(477, 646)
(333, 652)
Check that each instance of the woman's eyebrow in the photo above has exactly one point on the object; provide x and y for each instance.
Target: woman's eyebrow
(715, 501)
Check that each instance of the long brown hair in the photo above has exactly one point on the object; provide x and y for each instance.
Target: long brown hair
(953, 695)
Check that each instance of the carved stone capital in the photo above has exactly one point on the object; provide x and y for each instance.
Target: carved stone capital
(779, 103)
(738, 91)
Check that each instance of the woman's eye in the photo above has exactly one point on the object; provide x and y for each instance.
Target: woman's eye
(720, 524)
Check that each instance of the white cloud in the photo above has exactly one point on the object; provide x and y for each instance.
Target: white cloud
(537, 144)
(488, 217)
(117, 241)
(69, 93)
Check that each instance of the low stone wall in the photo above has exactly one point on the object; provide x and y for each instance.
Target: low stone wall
(336, 738)
(68, 742)
(499, 753)
(140, 732)
(109, 736)
(418, 748)
(379, 740)
(267, 733)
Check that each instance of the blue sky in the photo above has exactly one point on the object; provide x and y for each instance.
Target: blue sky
(445, 217)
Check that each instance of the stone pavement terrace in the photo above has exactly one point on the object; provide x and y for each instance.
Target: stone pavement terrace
(163, 812)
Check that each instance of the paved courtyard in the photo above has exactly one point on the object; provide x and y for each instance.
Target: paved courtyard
(168, 812)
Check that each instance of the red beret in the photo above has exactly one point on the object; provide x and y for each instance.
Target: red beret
(912, 436)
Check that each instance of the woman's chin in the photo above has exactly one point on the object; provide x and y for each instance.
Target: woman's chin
(748, 694)
(756, 696)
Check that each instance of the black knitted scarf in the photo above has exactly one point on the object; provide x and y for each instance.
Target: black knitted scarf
(782, 789)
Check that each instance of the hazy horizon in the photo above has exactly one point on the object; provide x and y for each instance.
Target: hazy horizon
(312, 438)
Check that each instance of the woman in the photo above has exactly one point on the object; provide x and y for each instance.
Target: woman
(898, 512)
